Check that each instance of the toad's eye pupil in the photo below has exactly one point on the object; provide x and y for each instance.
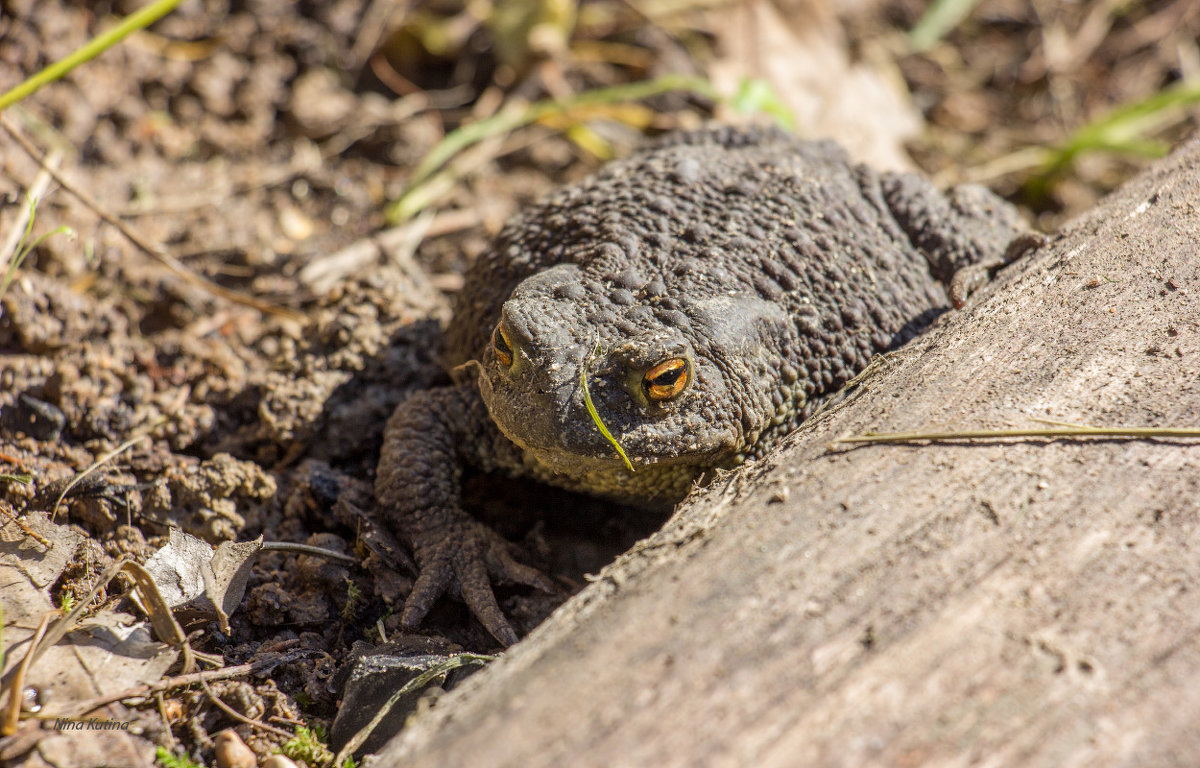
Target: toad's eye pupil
(666, 379)
(501, 347)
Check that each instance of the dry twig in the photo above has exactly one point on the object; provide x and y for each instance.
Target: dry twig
(154, 250)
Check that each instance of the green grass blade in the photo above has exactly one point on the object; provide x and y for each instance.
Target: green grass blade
(755, 95)
(25, 245)
(89, 50)
(1122, 131)
(416, 196)
(1125, 126)
(591, 409)
(941, 17)
(11, 273)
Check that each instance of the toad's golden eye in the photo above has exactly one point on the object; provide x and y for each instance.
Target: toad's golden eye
(667, 379)
(501, 347)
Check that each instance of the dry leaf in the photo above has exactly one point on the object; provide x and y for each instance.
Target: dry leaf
(109, 651)
(201, 584)
(797, 46)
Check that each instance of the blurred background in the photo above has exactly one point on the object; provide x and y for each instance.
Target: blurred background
(1051, 103)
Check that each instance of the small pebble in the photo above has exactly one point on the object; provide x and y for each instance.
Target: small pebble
(232, 752)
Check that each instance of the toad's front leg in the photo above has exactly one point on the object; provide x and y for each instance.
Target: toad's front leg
(418, 488)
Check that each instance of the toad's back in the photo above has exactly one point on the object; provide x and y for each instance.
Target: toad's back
(784, 265)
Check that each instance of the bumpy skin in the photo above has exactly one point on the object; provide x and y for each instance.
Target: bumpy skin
(773, 266)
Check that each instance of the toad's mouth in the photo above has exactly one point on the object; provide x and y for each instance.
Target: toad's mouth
(574, 445)
(565, 450)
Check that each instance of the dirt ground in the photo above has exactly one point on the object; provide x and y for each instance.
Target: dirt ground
(252, 148)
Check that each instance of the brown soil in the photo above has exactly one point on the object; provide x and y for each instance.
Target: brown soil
(256, 140)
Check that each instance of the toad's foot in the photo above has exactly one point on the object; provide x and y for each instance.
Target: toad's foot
(466, 557)
(971, 278)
